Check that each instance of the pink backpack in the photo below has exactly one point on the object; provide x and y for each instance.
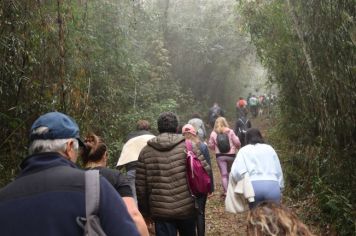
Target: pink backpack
(198, 179)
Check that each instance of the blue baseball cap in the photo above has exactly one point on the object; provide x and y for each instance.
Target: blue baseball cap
(60, 126)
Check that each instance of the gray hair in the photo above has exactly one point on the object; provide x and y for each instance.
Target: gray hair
(49, 145)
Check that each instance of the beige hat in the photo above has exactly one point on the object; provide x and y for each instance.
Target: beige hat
(132, 149)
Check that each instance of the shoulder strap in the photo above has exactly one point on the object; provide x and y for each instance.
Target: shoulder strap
(92, 192)
(188, 145)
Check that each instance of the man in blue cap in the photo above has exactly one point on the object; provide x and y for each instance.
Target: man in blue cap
(48, 196)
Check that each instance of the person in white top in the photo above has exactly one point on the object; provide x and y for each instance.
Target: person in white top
(261, 162)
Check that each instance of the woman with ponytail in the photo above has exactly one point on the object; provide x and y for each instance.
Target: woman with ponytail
(95, 156)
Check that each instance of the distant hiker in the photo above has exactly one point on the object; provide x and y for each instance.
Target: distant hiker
(95, 156)
(261, 162)
(161, 184)
(199, 126)
(135, 141)
(269, 219)
(142, 127)
(214, 112)
(189, 133)
(253, 105)
(242, 125)
(262, 101)
(222, 137)
(240, 105)
(48, 196)
(248, 99)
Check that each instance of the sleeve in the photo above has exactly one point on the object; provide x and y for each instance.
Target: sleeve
(235, 139)
(279, 171)
(113, 214)
(123, 186)
(203, 159)
(212, 142)
(205, 152)
(238, 168)
(141, 187)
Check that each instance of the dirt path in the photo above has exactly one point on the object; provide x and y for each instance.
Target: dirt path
(219, 222)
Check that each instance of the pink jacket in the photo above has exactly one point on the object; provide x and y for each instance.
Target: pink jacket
(234, 142)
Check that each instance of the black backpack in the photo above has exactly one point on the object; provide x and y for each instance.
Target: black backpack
(223, 142)
(242, 127)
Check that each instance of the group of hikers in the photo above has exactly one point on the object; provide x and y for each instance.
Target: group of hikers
(257, 105)
(152, 191)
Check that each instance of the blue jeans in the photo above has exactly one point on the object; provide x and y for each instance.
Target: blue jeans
(186, 227)
(265, 190)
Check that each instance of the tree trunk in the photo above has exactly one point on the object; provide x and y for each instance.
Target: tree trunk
(304, 45)
(61, 48)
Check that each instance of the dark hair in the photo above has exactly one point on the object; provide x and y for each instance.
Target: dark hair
(196, 115)
(254, 136)
(143, 125)
(245, 111)
(94, 150)
(179, 129)
(167, 122)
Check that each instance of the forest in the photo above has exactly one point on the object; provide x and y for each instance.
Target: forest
(109, 63)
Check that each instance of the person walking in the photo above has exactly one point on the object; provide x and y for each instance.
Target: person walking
(261, 162)
(199, 126)
(142, 128)
(95, 157)
(214, 112)
(48, 196)
(134, 143)
(240, 105)
(242, 125)
(190, 133)
(162, 190)
(224, 159)
(253, 105)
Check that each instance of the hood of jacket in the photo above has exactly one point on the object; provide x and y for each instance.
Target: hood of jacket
(166, 141)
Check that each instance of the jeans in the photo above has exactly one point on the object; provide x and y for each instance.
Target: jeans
(265, 190)
(201, 215)
(224, 163)
(186, 227)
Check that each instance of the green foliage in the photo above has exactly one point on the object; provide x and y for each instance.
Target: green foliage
(103, 62)
(309, 50)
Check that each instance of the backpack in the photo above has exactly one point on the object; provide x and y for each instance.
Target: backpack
(242, 128)
(223, 142)
(215, 112)
(91, 223)
(253, 101)
(198, 178)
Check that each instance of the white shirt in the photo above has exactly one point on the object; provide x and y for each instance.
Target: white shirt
(260, 161)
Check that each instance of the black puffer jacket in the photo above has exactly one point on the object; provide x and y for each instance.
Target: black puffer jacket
(161, 183)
